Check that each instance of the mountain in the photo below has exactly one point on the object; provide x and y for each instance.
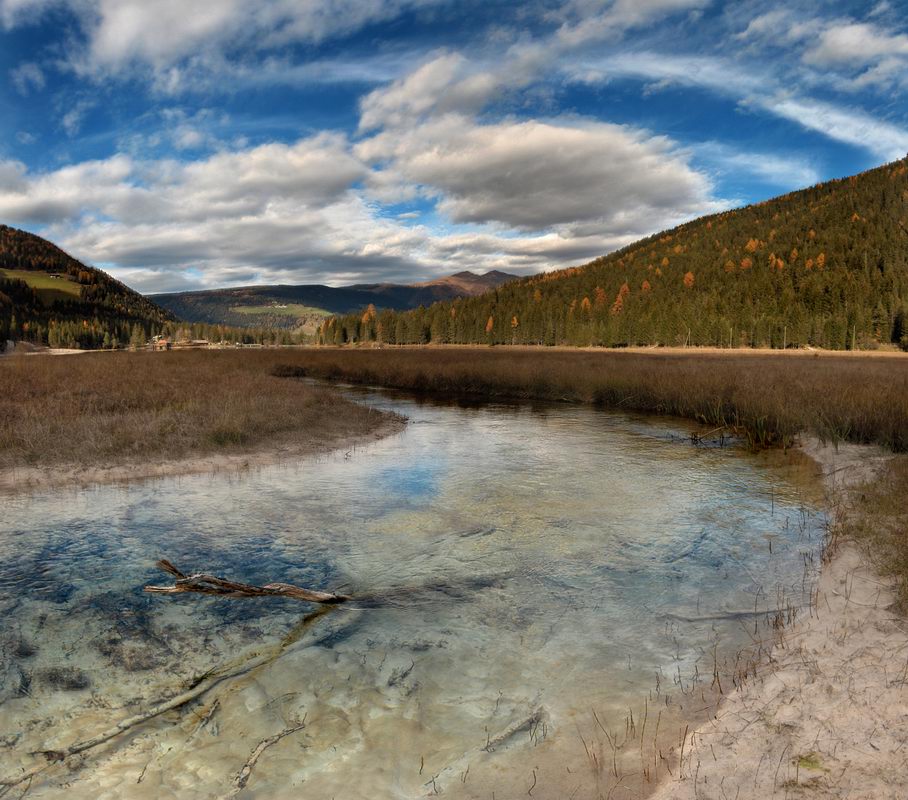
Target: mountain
(47, 296)
(467, 284)
(826, 267)
(307, 306)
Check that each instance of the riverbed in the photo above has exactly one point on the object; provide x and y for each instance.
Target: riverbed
(535, 581)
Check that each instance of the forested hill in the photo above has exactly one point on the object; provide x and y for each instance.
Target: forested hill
(48, 297)
(825, 266)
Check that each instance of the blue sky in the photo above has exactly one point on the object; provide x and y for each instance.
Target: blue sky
(230, 142)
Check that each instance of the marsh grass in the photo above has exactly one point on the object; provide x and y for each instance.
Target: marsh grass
(767, 398)
(104, 409)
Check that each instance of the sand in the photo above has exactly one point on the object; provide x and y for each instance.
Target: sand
(828, 715)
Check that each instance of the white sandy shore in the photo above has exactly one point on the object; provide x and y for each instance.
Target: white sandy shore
(19, 479)
(828, 716)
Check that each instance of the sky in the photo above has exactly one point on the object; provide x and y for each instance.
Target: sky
(184, 145)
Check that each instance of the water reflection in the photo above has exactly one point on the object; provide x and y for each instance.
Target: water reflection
(517, 566)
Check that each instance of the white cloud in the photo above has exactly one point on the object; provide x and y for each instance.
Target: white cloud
(74, 116)
(119, 34)
(785, 172)
(536, 175)
(587, 20)
(230, 185)
(779, 27)
(26, 77)
(882, 56)
(881, 8)
(293, 213)
(848, 125)
(442, 84)
(15, 12)
(717, 74)
(449, 82)
(855, 43)
(760, 90)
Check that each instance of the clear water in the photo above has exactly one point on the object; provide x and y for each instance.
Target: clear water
(551, 552)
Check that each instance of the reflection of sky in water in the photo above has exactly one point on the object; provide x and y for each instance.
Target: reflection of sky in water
(418, 481)
(560, 537)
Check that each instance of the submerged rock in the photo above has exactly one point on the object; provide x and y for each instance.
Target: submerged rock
(65, 678)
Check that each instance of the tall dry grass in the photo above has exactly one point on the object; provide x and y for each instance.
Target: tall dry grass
(108, 408)
(769, 398)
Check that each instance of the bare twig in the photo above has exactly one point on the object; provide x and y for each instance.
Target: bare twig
(242, 778)
(202, 583)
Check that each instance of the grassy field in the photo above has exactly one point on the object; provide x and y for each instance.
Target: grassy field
(289, 310)
(48, 288)
(112, 408)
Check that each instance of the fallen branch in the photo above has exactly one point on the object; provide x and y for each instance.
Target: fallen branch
(526, 725)
(242, 778)
(201, 583)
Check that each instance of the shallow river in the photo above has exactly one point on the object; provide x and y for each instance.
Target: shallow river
(535, 575)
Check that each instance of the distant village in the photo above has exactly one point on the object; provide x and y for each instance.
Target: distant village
(160, 343)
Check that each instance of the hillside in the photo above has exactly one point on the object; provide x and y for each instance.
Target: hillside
(46, 296)
(825, 266)
(307, 306)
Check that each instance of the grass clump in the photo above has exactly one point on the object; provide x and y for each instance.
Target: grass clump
(810, 761)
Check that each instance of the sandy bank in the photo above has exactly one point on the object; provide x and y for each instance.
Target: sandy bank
(19, 479)
(828, 716)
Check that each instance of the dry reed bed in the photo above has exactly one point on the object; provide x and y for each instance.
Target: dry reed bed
(111, 408)
(769, 398)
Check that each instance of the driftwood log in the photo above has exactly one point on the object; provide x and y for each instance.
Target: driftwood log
(202, 583)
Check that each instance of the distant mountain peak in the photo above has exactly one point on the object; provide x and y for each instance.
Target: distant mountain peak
(472, 283)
